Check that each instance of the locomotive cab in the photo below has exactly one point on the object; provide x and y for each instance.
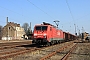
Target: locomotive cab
(40, 34)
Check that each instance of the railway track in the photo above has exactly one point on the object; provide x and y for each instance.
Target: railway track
(9, 49)
(34, 52)
(45, 51)
(71, 46)
(67, 55)
(14, 52)
(13, 44)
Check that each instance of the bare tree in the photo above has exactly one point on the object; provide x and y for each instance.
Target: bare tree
(1, 31)
(27, 30)
(25, 26)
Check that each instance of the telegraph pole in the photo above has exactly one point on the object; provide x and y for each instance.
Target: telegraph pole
(79, 34)
(82, 34)
(82, 30)
(30, 27)
(75, 29)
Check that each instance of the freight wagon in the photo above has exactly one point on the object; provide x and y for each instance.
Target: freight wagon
(48, 34)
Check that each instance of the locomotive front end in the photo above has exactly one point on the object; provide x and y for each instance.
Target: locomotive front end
(40, 34)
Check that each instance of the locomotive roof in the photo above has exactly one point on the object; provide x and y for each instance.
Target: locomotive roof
(44, 23)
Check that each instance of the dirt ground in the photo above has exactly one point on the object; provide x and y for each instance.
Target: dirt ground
(82, 52)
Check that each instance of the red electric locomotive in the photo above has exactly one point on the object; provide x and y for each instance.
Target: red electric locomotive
(47, 34)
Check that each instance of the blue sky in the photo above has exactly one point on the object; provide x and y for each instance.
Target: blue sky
(36, 11)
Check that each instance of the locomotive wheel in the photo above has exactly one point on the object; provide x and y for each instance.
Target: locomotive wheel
(59, 41)
(48, 44)
(52, 43)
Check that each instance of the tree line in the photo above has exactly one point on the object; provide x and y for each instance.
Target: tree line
(28, 30)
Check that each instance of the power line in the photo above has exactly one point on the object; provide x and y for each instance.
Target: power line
(9, 19)
(71, 16)
(22, 11)
(10, 10)
(40, 9)
(13, 12)
(69, 9)
(2, 22)
(17, 5)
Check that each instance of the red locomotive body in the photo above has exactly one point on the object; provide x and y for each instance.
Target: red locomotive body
(49, 34)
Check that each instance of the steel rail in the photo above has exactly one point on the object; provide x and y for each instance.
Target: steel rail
(67, 55)
(53, 53)
(12, 45)
(14, 53)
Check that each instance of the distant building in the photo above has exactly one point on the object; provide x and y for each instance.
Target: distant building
(12, 31)
(1, 32)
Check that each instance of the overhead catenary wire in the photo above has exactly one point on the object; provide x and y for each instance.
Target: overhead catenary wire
(70, 10)
(13, 12)
(77, 19)
(20, 8)
(71, 15)
(21, 14)
(4, 21)
(40, 9)
(10, 10)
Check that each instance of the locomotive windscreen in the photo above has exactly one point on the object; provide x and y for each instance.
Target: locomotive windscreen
(41, 27)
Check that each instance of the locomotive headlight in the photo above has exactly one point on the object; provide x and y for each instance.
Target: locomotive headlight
(35, 34)
(45, 35)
